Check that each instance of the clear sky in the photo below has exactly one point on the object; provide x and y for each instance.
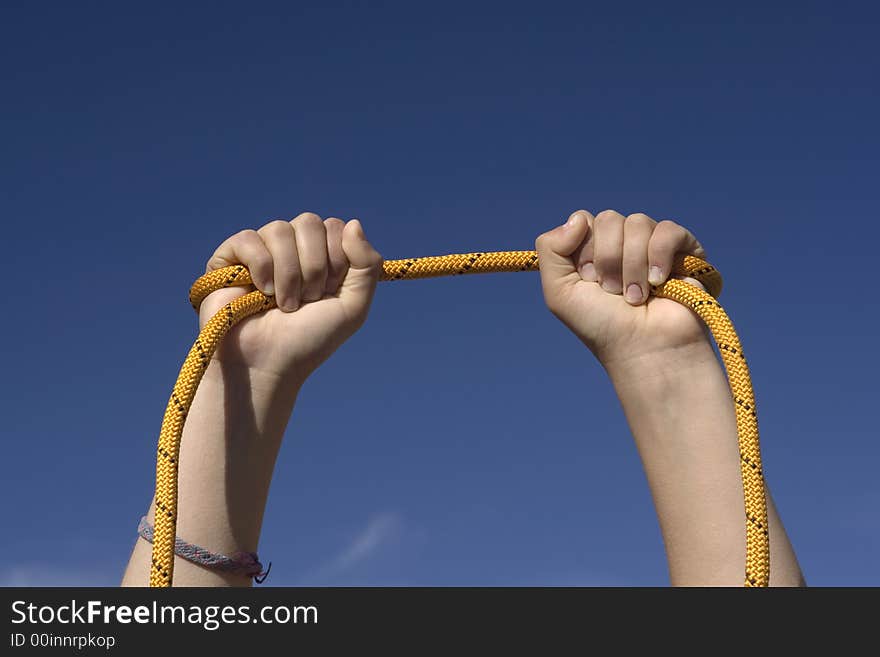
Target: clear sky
(464, 436)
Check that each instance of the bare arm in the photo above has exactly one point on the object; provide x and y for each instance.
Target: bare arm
(595, 273)
(230, 442)
(680, 411)
(323, 275)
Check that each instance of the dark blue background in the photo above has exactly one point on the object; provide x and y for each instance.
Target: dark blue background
(464, 436)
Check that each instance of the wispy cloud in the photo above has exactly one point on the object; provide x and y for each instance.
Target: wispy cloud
(380, 530)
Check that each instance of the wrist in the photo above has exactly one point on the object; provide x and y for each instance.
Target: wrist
(661, 368)
(241, 410)
(259, 382)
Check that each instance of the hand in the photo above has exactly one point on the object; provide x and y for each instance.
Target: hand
(322, 274)
(595, 272)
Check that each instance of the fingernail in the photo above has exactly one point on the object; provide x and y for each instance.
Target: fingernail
(633, 293)
(571, 220)
(269, 289)
(359, 230)
(611, 286)
(588, 272)
(655, 275)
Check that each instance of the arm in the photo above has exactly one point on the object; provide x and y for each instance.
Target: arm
(230, 442)
(323, 274)
(680, 411)
(671, 385)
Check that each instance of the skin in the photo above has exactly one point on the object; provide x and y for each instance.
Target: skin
(595, 273)
(324, 273)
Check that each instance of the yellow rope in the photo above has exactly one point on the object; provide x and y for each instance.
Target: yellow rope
(757, 567)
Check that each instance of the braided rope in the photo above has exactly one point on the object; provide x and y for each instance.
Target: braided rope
(757, 566)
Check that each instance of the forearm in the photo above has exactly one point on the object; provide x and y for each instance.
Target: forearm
(230, 441)
(681, 414)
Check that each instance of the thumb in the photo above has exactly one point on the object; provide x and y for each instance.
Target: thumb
(555, 249)
(365, 265)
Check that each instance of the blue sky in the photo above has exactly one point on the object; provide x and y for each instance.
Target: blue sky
(488, 447)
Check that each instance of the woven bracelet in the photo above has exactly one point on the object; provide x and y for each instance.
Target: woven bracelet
(240, 563)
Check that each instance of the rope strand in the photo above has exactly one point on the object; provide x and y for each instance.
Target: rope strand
(757, 566)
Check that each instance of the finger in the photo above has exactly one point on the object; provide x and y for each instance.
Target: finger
(583, 256)
(280, 240)
(555, 249)
(692, 281)
(311, 243)
(668, 241)
(246, 248)
(608, 250)
(337, 263)
(364, 266)
(637, 231)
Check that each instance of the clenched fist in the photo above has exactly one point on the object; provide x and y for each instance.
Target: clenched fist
(596, 272)
(322, 274)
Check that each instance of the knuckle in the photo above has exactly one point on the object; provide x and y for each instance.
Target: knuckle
(608, 215)
(276, 226)
(246, 235)
(333, 221)
(307, 218)
(668, 226)
(666, 235)
(639, 219)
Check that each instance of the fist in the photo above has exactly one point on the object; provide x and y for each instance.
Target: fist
(322, 275)
(596, 274)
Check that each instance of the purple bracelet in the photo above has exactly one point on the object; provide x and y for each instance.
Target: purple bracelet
(240, 563)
